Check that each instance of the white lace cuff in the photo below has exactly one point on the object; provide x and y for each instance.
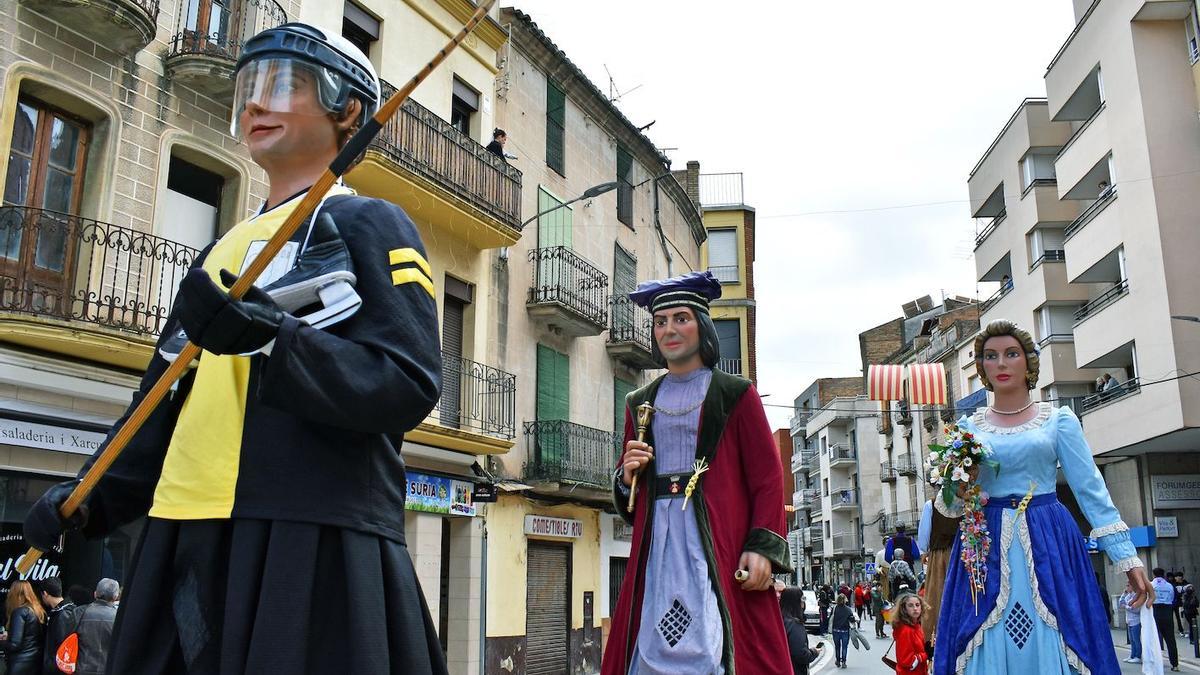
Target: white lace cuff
(955, 510)
(1111, 528)
(1131, 563)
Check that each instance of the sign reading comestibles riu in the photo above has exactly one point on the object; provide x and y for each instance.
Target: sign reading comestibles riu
(545, 526)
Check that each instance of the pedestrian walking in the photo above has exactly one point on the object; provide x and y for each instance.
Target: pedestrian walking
(840, 624)
(901, 574)
(824, 600)
(877, 609)
(1164, 605)
(911, 657)
(60, 622)
(791, 605)
(1180, 582)
(1191, 606)
(95, 627)
(860, 600)
(22, 639)
(1133, 623)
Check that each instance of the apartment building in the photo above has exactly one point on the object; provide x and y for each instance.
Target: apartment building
(115, 116)
(729, 254)
(601, 212)
(805, 530)
(1090, 195)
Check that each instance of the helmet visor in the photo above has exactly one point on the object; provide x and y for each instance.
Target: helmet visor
(284, 86)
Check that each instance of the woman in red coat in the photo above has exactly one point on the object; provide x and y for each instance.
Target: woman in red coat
(911, 658)
(860, 600)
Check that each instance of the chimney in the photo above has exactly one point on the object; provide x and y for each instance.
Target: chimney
(693, 181)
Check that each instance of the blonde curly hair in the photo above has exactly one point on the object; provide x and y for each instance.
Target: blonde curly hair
(1000, 328)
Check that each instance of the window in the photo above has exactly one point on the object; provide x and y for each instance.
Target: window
(45, 174)
(207, 27)
(1193, 30)
(464, 103)
(1037, 167)
(1046, 244)
(624, 187)
(553, 402)
(624, 282)
(824, 481)
(359, 27)
(729, 336)
(193, 200)
(556, 108)
(723, 255)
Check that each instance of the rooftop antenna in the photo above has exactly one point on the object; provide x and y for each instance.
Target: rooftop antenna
(614, 94)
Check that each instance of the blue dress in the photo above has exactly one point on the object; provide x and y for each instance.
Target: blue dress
(1040, 611)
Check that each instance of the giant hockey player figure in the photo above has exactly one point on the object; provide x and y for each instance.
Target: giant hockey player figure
(708, 504)
(272, 478)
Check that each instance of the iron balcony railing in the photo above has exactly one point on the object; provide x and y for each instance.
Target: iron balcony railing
(840, 452)
(1103, 300)
(989, 228)
(845, 542)
(815, 535)
(1005, 288)
(906, 467)
(561, 276)
(566, 452)
(1075, 403)
(721, 189)
(1089, 214)
(478, 398)
(1053, 255)
(731, 366)
(808, 497)
(77, 269)
(216, 29)
(726, 274)
(1130, 386)
(629, 322)
(843, 498)
(430, 147)
(887, 472)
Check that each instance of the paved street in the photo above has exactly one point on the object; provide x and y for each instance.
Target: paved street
(859, 661)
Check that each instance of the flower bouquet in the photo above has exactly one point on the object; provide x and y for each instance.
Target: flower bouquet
(955, 464)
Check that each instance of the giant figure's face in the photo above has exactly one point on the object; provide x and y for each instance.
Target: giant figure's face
(294, 130)
(1004, 364)
(677, 333)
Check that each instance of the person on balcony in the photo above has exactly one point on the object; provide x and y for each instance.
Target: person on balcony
(709, 506)
(272, 478)
(1040, 609)
(496, 147)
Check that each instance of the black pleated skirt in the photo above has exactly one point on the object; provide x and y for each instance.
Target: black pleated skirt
(234, 597)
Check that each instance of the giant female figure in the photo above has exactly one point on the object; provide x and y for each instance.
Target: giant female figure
(1040, 611)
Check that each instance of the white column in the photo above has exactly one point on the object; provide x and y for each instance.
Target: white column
(466, 560)
(423, 533)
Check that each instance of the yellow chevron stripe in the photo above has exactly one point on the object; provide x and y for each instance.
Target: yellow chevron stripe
(410, 275)
(409, 255)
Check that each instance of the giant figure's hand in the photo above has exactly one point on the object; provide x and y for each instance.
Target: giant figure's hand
(760, 571)
(44, 523)
(637, 456)
(221, 325)
(1140, 585)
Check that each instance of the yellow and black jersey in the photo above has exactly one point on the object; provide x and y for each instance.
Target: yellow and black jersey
(312, 432)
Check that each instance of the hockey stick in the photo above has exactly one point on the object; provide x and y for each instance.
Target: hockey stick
(353, 148)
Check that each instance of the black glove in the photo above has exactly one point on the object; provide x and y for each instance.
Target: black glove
(44, 523)
(221, 325)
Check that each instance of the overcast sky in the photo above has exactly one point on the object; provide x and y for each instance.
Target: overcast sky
(826, 106)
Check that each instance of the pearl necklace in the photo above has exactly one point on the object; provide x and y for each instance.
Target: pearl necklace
(1011, 412)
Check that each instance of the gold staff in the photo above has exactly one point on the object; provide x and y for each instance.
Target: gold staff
(644, 412)
(357, 144)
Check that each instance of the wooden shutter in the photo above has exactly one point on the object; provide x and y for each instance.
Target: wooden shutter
(547, 609)
(624, 283)
(553, 403)
(624, 187)
(554, 228)
(556, 105)
(452, 371)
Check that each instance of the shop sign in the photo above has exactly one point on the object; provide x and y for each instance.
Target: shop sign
(545, 526)
(484, 493)
(1179, 491)
(49, 437)
(438, 494)
(1166, 527)
(12, 549)
(622, 531)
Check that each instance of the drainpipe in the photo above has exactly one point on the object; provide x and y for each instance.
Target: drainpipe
(662, 238)
(483, 582)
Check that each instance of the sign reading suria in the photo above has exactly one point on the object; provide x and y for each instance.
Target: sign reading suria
(438, 494)
(1179, 491)
(49, 437)
(545, 526)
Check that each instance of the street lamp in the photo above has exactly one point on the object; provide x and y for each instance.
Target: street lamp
(593, 191)
(1194, 319)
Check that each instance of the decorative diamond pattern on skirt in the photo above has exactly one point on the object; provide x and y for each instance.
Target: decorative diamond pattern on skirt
(1018, 625)
(675, 623)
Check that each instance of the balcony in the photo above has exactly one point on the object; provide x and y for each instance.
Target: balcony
(569, 459)
(887, 472)
(1090, 213)
(804, 498)
(731, 366)
(841, 454)
(721, 190)
(568, 292)
(890, 522)
(630, 333)
(846, 544)
(208, 40)
(845, 499)
(461, 182)
(906, 467)
(1005, 289)
(815, 535)
(92, 290)
(124, 26)
(989, 228)
(1118, 291)
(1102, 398)
(477, 398)
(1050, 256)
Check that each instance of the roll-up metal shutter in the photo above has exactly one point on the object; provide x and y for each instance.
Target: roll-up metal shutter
(547, 607)
(452, 370)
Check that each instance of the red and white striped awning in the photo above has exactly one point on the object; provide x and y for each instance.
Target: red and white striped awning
(927, 384)
(885, 383)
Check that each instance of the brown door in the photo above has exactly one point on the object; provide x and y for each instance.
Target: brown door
(39, 236)
(206, 29)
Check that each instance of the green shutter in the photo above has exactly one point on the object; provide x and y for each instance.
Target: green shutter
(621, 389)
(554, 228)
(553, 403)
(556, 105)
